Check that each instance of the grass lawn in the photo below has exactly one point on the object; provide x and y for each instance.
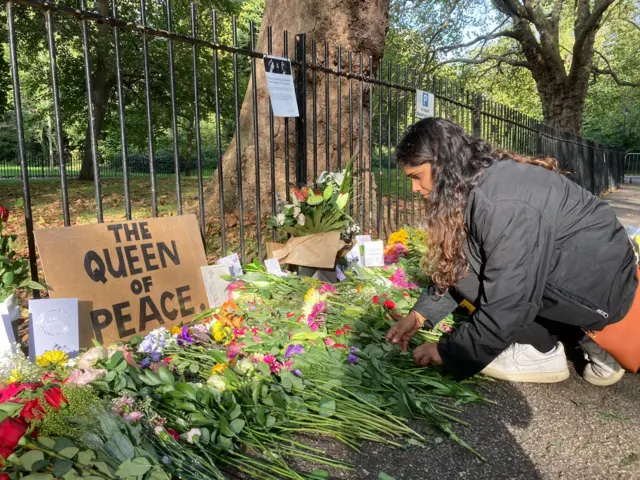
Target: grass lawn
(47, 206)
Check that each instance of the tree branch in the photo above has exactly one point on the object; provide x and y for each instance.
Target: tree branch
(478, 61)
(481, 38)
(609, 71)
(582, 30)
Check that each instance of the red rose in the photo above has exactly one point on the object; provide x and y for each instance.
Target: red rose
(11, 431)
(173, 433)
(389, 305)
(4, 476)
(32, 410)
(4, 214)
(54, 397)
(376, 299)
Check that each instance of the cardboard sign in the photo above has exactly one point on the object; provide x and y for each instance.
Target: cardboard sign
(135, 275)
(215, 285)
(53, 325)
(425, 104)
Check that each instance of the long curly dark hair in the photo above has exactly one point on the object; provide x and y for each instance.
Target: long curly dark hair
(458, 160)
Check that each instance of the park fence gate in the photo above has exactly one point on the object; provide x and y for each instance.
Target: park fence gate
(384, 201)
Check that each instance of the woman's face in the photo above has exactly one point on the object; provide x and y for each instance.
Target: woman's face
(421, 179)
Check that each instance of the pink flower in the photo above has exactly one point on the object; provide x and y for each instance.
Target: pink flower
(85, 377)
(446, 328)
(234, 350)
(329, 342)
(256, 338)
(133, 417)
(399, 280)
(235, 286)
(240, 332)
(326, 288)
(393, 253)
(269, 331)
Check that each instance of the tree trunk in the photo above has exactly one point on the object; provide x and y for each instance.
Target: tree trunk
(357, 26)
(103, 82)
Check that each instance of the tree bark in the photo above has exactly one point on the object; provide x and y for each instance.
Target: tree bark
(357, 26)
(103, 82)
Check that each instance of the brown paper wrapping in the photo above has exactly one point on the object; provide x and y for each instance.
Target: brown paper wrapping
(318, 250)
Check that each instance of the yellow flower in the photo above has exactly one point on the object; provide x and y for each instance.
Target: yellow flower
(52, 358)
(15, 376)
(176, 330)
(220, 332)
(219, 368)
(401, 236)
(311, 296)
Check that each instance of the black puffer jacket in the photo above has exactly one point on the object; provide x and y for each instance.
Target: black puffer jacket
(538, 245)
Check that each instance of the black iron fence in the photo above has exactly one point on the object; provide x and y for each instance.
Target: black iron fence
(350, 106)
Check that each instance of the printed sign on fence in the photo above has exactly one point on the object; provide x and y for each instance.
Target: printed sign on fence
(425, 104)
(136, 276)
(280, 84)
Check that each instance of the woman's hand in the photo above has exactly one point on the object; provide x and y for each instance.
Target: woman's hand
(427, 354)
(404, 330)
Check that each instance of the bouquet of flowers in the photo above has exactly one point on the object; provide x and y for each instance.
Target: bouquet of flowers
(318, 220)
(320, 208)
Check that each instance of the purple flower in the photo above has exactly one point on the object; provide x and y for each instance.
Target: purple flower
(352, 358)
(292, 350)
(297, 373)
(185, 335)
(146, 362)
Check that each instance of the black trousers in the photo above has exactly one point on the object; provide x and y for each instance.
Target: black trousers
(542, 334)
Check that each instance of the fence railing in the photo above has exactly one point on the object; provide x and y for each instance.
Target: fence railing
(632, 163)
(351, 107)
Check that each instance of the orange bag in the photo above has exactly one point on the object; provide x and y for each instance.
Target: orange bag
(622, 339)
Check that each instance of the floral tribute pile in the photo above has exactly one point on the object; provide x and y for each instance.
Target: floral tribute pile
(242, 389)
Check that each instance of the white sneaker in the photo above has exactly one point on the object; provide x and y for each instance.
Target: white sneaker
(523, 363)
(602, 370)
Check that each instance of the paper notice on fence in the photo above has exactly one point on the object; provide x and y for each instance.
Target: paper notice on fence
(233, 262)
(316, 251)
(281, 89)
(273, 267)
(134, 276)
(425, 104)
(215, 285)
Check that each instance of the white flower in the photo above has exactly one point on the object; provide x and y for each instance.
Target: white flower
(301, 219)
(243, 367)
(296, 211)
(192, 435)
(218, 382)
(338, 178)
(280, 219)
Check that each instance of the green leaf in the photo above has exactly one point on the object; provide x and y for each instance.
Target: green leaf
(384, 476)
(237, 425)
(342, 200)
(327, 407)
(165, 375)
(235, 413)
(104, 468)
(62, 443)
(28, 459)
(69, 452)
(188, 390)
(133, 468)
(38, 476)
(85, 457)
(319, 474)
(115, 359)
(314, 200)
(46, 442)
(61, 467)
(328, 192)
(194, 367)
(7, 279)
